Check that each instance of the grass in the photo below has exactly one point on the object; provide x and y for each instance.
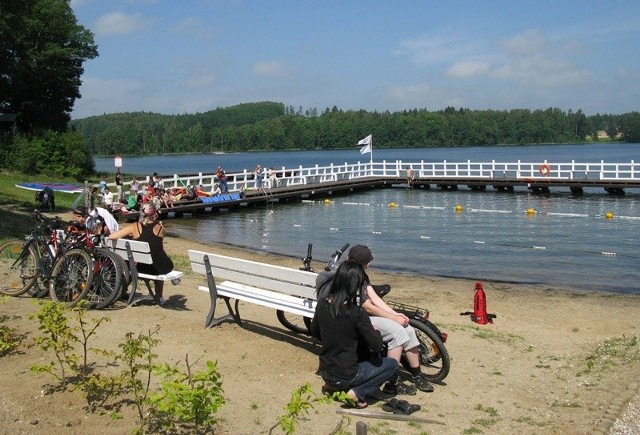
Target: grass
(612, 352)
(488, 334)
(17, 205)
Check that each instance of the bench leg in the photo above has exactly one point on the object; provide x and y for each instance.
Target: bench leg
(212, 321)
(132, 296)
(233, 316)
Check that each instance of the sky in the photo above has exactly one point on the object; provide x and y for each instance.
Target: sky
(190, 56)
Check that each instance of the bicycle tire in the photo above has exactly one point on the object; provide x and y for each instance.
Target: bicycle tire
(18, 267)
(435, 362)
(125, 271)
(295, 323)
(108, 276)
(40, 288)
(71, 277)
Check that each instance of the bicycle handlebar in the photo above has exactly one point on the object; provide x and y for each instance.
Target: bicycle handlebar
(306, 261)
(336, 257)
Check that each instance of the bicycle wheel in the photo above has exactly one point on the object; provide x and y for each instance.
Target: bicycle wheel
(434, 357)
(40, 288)
(295, 323)
(18, 268)
(71, 277)
(108, 277)
(125, 271)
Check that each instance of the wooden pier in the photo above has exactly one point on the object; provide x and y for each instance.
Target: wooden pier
(297, 184)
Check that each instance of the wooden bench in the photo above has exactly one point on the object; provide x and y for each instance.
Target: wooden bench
(277, 287)
(135, 251)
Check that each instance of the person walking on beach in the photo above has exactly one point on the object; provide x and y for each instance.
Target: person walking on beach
(342, 325)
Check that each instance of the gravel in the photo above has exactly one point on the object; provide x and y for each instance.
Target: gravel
(629, 422)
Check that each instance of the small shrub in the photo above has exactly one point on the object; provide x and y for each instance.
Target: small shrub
(302, 401)
(187, 398)
(9, 338)
(59, 337)
(138, 358)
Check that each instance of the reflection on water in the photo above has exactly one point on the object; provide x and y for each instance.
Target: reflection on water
(567, 242)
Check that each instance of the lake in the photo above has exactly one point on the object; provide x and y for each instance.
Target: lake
(568, 243)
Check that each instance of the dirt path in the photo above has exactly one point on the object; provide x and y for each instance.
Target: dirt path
(526, 373)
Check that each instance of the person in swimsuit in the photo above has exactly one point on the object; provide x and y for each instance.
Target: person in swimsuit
(150, 230)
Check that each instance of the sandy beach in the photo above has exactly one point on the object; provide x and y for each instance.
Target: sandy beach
(539, 368)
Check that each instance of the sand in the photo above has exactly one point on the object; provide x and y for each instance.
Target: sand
(534, 370)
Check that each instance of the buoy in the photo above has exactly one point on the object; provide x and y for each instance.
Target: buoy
(458, 208)
(327, 201)
(392, 204)
(531, 211)
(609, 215)
(545, 169)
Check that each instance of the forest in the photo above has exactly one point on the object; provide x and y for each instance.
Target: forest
(272, 126)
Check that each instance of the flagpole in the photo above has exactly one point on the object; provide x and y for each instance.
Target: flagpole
(371, 145)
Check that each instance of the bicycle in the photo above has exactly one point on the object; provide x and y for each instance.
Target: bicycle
(42, 260)
(435, 361)
(110, 272)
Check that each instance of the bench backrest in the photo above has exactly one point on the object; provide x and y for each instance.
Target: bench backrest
(140, 250)
(260, 275)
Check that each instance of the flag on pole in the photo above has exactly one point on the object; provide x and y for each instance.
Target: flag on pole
(367, 145)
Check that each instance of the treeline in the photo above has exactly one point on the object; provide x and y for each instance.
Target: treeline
(271, 126)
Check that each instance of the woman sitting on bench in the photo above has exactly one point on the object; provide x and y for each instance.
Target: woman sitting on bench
(149, 230)
(342, 325)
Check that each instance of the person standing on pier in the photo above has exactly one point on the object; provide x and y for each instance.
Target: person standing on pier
(259, 176)
(410, 177)
(273, 177)
(222, 178)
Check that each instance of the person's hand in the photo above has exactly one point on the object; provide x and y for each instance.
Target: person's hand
(401, 319)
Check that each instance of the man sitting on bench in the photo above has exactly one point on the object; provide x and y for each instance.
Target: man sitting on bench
(150, 230)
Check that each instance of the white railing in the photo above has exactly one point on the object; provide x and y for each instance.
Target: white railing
(434, 170)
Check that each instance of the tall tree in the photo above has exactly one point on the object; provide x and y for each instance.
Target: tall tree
(42, 49)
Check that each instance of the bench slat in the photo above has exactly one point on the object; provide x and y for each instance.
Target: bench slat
(258, 281)
(290, 304)
(174, 274)
(281, 273)
(140, 250)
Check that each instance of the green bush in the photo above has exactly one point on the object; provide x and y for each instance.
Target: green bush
(52, 153)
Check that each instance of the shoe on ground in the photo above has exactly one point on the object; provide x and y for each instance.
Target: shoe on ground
(400, 407)
(162, 301)
(422, 384)
(399, 388)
